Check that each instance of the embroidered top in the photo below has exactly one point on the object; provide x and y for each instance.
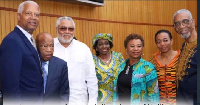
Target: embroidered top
(187, 74)
(106, 75)
(166, 79)
(144, 86)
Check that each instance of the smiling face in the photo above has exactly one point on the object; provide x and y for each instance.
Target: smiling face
(103, 46)
(163, 42)
(65, 31)
(183, 25)
(134, 49)
(29, 18)
(46, 46)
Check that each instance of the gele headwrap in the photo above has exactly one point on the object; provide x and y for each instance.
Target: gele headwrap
(102, 36)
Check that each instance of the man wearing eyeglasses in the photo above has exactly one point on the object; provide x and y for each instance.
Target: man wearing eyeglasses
(55, 72)
(82, 76)
(187, 65)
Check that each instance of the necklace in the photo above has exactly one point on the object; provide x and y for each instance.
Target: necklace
(104, 61)
(127, 70)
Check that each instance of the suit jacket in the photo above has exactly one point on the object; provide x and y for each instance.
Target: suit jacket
(20, 69)
(57, 86)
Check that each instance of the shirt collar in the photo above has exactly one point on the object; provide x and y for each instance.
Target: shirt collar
(25, 33)
(141, 60)
(47, 62)
(56, 41)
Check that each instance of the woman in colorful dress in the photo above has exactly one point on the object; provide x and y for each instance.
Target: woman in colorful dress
(107, 63)
(165, 62)
(136, 83)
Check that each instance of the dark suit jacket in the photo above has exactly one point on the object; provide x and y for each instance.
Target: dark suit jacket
(20, 70)
(57, 86)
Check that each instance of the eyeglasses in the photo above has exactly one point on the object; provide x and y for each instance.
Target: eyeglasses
(45, 47)
(184, 22)
(70, 29)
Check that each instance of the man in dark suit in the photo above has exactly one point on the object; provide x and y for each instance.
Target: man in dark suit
(56, 85)
(20, 68)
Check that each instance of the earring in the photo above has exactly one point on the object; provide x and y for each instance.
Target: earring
(142, 54)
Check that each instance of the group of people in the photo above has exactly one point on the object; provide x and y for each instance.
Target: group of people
(62, 70)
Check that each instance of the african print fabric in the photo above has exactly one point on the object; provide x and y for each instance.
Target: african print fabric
(106, 75)
(187, 75)
(166, 79)
(144, 88)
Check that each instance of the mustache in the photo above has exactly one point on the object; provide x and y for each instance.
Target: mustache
(66, 35)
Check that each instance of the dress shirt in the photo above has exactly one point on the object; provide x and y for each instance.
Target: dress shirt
(81, 72)
(45, 72)
(26, 34)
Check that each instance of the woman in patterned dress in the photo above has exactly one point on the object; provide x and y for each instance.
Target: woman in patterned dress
(165, 62)
(106, 64)
(136, 83)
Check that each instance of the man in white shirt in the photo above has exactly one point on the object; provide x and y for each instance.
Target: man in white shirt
(81, 69)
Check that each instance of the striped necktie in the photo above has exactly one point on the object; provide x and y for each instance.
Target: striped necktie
(44, 69)
(34, 45)
(33, 42)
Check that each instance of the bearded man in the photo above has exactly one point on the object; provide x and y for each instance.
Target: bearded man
(186, 74)
(81, 69)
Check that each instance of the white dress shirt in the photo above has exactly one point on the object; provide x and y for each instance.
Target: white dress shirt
(26, 34)
(81, 69)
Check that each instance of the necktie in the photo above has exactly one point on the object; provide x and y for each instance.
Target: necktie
(44, 69)
(34, 45)
(33, 42)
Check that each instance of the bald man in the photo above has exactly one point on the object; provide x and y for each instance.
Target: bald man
(55, 72)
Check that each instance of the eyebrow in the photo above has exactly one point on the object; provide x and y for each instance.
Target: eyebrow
(136, 44)
(66, 27)
(165, 38)
(161, 39)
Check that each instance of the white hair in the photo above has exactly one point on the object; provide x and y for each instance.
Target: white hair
(64, 18)
(183, 10)
(21, 6)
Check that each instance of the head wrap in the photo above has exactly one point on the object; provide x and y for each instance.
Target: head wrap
(102, 36)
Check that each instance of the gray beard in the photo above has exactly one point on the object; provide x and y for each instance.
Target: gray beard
(185, 36)
(63, 40)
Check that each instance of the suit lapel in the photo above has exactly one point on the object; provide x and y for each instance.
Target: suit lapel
(51, 71)
(29, 45)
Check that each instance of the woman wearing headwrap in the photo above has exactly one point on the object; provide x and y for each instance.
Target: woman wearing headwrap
(107, 63)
